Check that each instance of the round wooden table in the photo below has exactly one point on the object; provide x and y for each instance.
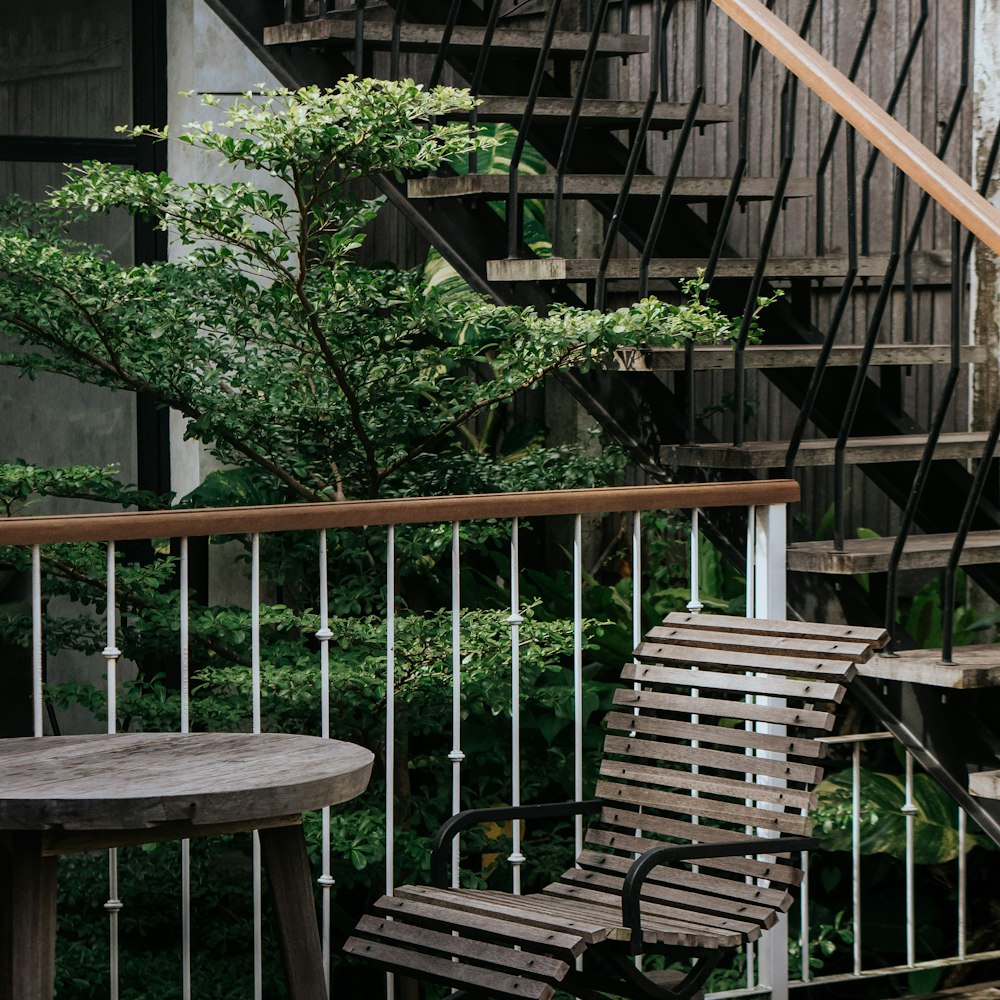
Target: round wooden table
(63, 794)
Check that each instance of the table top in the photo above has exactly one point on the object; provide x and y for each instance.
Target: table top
(139, 780)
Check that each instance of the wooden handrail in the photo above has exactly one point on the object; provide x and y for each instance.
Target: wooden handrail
(919, 163)
(125, 526)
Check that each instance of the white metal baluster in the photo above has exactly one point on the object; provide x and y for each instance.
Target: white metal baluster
(111, 653)
(963, 882)
(695, 605)
(749, 601)
(636, 623)
(390, 726)
(36, 641)
(185, 656)
(909, 810)
(258, 936)
(578, 676)
(456, 756)
(804, 917)
(515, 620)
(324, 635)
(856, 854)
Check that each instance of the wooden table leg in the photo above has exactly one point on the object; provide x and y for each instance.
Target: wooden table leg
(27, 918)
(284, 854)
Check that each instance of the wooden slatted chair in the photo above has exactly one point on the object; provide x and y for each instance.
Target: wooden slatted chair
(711, 754)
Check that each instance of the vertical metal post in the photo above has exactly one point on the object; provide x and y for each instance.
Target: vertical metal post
(578, 677)
(963, 883)
(37, 694)
(456, 756)
(258, 891)
(804, 918)
(515, 620)
(909, 810)
(695, 605)
(111, 653)
(856, 854)
(185, 657)
(324, 635)
(390, 726)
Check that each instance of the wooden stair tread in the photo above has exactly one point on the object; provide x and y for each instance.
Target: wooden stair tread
(985, 784)
(929, 268)
(596, 112)
(871, 555)
(672, 359)
(599, 185)
(428, 38)
(821, 451)
(974, 667)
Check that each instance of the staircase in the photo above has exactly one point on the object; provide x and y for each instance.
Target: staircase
(864, 361)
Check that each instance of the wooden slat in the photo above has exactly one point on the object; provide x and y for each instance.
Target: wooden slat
(687, 805)
(875, 637)
(596, 112)
(600, 186)
(444, 970)
(929, 268)
(428, 38)
(479, 952)
(771, 645)
(435, 915)
(974, 667)
(470, 904)
(725, 709)
(660, 919)
(767, 356)
(709, 680)
(658, 652)
(902, 148)
(821, 452)
(631, 819)
(710, 784)
(696, 902)
(408, 510)
(626, 842)
(720, 735)
(615, 868)
(871, 555)
(680, 753)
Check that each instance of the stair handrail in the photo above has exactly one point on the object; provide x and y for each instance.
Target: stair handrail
(955, 195)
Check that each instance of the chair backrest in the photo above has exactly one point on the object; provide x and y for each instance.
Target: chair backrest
(714, 738)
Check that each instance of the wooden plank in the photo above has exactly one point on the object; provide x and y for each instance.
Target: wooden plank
(725, 709)
(929, 268)
(768, 356)
(974, 667)
(479, 952)
(778, 646)
(943, 184)
(694, 903)
(718, 735)
(434, 915)
(134, 781)
(595, 112)
(444, 970)
(693, 189)
(793, 798)
(776, 873)
(630, 819)
(428, 37)
(871, 555)
(470, 904)
(409, 510)
(985, 784)
(686, 805)
(720, 760)
(661, 652)
(658, 918)
(758, 684)
(876, 637)
(615, 868)
(822, 451)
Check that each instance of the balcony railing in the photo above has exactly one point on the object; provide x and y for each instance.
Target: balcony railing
(762, 504)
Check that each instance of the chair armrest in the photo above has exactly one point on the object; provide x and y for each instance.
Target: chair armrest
(667, 854)
(452, 827)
